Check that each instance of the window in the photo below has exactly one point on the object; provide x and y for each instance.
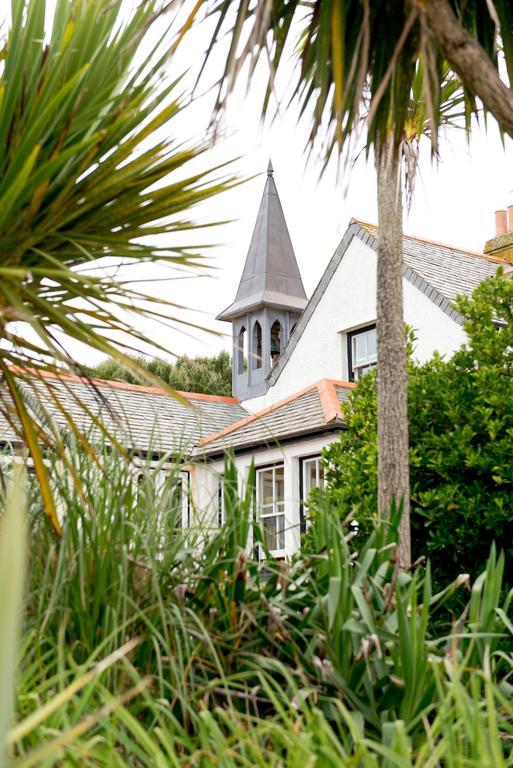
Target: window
(174, 500)
(241, 351)
(270, 498)
(275, 341)
(362, 352)
(312, 476)
(257, 346)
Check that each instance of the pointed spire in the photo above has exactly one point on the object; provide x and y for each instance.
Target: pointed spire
(270, 169)
(271, 274)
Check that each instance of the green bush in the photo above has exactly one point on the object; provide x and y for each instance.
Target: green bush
(461, 437)
(210, 375)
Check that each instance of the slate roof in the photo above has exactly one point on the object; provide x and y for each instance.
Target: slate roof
(314, 409)
(271, 274)
(449, 270)
(440, 271)
(141, 418)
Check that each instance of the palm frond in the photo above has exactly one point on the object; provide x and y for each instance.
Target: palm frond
(91, 173)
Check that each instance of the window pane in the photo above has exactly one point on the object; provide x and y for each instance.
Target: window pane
(360, 348)
(309, 476)
(274, 532)
(313, 476)
(265, 487)
(372, 344)
(279, 480)
(271, 506)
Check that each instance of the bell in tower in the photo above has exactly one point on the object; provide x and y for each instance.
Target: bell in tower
(269, 300)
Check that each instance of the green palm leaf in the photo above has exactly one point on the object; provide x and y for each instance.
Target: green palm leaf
(89, 170)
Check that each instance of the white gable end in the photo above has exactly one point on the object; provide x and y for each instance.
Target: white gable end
(348, 302)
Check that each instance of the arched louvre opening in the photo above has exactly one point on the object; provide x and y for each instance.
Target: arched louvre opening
(257, 345)
(241, 351)
(276, 341)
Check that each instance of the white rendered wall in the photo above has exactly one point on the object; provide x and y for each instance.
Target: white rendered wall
(205, 481)
(348, 302)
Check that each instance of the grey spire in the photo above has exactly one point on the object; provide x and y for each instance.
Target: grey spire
(271, 275)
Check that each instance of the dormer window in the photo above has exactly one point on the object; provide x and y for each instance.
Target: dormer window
(362, 352)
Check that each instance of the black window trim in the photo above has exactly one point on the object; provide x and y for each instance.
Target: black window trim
(350, 337)
(302, 516)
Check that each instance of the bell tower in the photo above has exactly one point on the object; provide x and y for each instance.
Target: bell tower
(269, 300)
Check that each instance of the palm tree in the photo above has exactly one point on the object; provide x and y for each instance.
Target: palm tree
(362, 65)
(90, 176)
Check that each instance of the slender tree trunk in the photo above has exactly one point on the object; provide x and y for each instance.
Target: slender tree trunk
(393, 465)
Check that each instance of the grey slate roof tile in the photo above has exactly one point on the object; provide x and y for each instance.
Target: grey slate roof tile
(141, 418)
(271, 275)
(306, 412)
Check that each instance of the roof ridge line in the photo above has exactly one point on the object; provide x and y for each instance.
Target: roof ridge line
(254, 416)
(328, 397)
(450, 247)
(124, 385)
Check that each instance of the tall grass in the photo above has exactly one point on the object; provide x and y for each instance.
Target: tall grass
(147, 645)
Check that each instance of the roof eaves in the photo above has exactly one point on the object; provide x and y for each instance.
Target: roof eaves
(217, 451)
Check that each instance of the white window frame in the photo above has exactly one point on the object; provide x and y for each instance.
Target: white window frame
(304, 492)
(360, 366)
(274, 510)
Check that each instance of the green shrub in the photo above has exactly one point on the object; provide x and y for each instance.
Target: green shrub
(211, 375)
(461, 437)
(332, 659)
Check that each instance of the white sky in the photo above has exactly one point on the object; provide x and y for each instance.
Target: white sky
(454, 200)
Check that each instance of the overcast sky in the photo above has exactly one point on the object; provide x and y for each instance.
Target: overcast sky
(454, 200)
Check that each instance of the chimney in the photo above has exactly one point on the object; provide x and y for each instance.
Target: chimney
(510, 218)
(501, 221)
(500, 247)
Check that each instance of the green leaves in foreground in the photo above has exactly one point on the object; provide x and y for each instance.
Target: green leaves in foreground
(92, 174)
(330, 660)
(12, 577)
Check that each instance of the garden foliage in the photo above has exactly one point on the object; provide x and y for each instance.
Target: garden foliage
(142, 648)
(209, 374)
(461, 437)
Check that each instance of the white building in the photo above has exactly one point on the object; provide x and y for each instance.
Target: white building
(294, 361)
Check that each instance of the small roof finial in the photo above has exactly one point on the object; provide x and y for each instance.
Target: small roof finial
(270, 169)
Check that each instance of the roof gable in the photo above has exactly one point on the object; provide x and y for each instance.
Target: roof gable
(439, 271)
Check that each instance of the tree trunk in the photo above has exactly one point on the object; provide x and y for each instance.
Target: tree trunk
(393, 465)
